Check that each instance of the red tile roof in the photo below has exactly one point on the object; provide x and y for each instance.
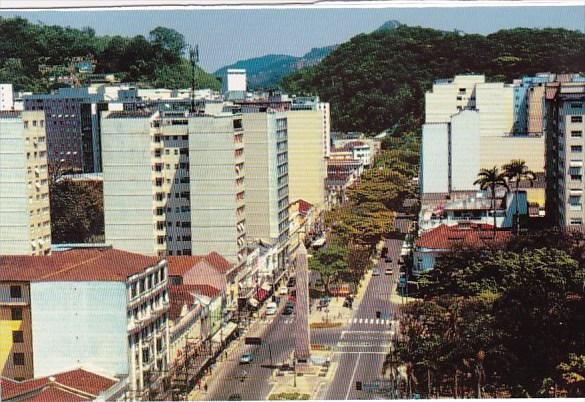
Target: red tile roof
(88, 384)
(181, 295)
(445, 237)
(75, 265)
(179, 265)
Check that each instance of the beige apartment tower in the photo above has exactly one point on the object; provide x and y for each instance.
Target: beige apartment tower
(174, 183)
(25, 220)
(308, 144)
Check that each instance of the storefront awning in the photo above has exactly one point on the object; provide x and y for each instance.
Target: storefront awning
(223, 333)
(253, 302)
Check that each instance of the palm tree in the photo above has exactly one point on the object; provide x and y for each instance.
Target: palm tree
(492, 179)
(516, 170)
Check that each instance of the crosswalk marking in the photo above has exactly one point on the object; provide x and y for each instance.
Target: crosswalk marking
(371, 321)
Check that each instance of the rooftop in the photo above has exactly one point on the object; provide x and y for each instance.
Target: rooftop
(179, 265)
(74, 385)
(107, 265)
(475, 235)
(126, 114)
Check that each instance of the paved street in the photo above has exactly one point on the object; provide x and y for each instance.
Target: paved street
(362, 347)
(279, 335)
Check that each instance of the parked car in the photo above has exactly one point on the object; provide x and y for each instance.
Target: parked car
(290, 304)
(388, 259)
(375, 272)
(291, 282)
(235, 397)
(288, 308)
(246, 358)
(388, 271)
(271, 308)
(283, 291)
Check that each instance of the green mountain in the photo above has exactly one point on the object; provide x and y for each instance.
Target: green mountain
(389, 25)
(29, 52)
(267, 71)
(376, 81)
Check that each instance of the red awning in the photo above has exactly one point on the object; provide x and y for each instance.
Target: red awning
(261, 294)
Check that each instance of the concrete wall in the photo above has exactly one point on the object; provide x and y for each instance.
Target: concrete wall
(465, 149)
(495, 102)
(128, 185)
(500, 150)
(79, 324)
(307, 167)
(213, 186)
(435, 158)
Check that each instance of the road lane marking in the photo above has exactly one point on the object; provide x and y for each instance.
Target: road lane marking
(377, 321)
(360, 321)
(353, 375)
(371, 320)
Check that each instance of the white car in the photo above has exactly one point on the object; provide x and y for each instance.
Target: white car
(271, 308)
(283, 291)
(375, 272)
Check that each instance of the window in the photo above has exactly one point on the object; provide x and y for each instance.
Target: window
(576, 119)
(576, 105)
(576, 133)
(18, 359)
(576, 148)
(17, 337)
(15, 292)
(576, 221)
(16, 314)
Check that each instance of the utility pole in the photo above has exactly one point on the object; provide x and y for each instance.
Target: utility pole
(194, 59)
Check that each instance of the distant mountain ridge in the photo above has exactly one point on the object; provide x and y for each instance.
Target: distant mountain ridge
(267, 71)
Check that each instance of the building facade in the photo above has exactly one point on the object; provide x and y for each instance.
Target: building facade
(174, 183)
(101, 308)
(6, 97)
(25, 222)
(565, 125)
(267, 194)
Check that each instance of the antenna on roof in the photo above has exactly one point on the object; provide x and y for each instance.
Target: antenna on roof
(194, 59)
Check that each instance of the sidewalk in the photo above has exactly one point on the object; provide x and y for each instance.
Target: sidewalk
(255, 329)
(336, 314)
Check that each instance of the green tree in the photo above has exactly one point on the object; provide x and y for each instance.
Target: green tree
(330, 262)
(491, 179)
(517, 171)
(168, 39)
(572, 372)
(77, 211)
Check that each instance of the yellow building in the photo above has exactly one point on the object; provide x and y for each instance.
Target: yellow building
(16, 354)
(308, 138)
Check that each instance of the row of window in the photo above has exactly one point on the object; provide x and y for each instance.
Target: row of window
(34, 123)
(185, 251)
(148, 282)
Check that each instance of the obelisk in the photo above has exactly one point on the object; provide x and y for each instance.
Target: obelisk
(302, 335)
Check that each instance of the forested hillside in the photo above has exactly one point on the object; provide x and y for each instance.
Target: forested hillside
(157, 60)
(267, 71)
(378, 80)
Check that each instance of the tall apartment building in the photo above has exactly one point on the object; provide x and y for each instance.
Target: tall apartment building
(100, 308)
(267, 194)
(565, 126)
(174, 183)
(73, 132)
(487, 139)
(308, 148)
(25, 221)
(6, 97)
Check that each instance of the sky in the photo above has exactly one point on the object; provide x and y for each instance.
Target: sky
(228, 35)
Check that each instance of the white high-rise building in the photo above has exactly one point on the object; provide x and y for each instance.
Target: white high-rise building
(6, 97)
(25, 220)
(474, 121)
(174, 183)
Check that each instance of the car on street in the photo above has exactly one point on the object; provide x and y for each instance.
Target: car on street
(291, 282)
(246, 358)
(375, 272)
(288, 309)
(388, 259)
(388, 271)
(271, 308)
(283, 291)
(235, 397)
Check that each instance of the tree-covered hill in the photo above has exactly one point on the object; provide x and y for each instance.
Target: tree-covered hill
(267, 71)
(157, 60)
(377, 80)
